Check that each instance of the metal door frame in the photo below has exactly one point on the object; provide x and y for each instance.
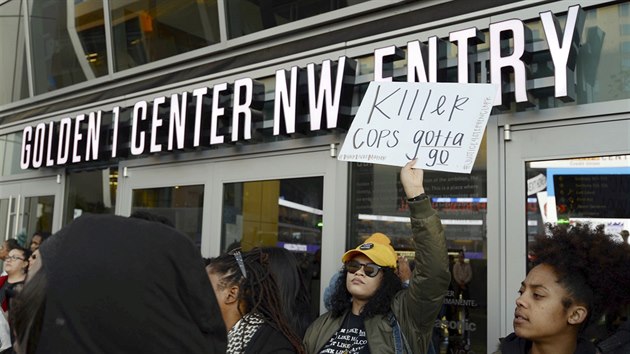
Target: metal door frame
(16, 191)
(515, 145)
(214, 173)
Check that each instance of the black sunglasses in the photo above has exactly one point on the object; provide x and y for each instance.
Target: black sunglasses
(370, 269)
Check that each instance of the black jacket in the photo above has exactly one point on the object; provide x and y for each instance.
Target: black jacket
(124, 285)
(268, 340)
(618, 343)
(515, 345)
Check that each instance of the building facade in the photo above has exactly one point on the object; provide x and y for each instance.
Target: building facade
(227, 117)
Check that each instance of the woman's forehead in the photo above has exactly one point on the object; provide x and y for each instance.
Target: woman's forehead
(542, 274)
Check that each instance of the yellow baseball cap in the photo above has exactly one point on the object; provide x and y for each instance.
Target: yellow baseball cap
(378, 248)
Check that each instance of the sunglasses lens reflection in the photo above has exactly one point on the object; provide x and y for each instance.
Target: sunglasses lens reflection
(353, 267)
(370, 269)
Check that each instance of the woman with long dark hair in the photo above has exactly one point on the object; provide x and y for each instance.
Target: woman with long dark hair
(251, 304)
(294, 295)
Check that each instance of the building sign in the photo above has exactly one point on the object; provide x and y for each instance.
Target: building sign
(306, 100)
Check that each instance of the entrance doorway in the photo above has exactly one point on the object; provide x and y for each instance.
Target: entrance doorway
(30, 206)
(578, 172)
(294, 200)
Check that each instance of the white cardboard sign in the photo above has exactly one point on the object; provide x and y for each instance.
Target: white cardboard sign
(440, 124)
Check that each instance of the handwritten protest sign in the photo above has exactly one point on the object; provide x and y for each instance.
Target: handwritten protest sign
(440, 124)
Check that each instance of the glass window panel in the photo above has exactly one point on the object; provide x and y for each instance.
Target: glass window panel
(90, 28)
(282, 213)
(250, 16)
(90, 192)
(37, 217)
(181, 205)
(149, 30)
(10, 151)
(13, 71)
(602, 72)
(593, 189)
(378, 204)
(68, 43)
(7, 217)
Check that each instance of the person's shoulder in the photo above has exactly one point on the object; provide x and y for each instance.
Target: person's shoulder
(328, 316)
(618, 342)
(324, 321)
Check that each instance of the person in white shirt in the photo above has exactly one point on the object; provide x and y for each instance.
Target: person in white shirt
(462, 274)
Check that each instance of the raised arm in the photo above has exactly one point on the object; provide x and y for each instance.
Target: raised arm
(412, 180)
(417, 307)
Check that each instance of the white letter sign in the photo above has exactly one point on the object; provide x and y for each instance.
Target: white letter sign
(440, 124)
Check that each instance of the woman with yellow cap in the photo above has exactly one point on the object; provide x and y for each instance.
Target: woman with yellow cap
(371, 313)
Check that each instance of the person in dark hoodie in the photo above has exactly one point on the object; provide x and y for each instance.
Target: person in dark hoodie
(579, 274)
(110, 284)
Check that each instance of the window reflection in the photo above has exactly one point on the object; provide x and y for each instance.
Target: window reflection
(181, 205)
(68, 43)
(279, 213)
(286, 213)
(90, 192)
(592, 189)
(13, 75)
(38, 216)
(250, 16)
(147, 30)
(10, 153)
(89, 23)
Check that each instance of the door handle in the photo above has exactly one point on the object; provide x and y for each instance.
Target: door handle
(8, 228)
(17, 215)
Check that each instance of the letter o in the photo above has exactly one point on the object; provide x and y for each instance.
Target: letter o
(38, 145)
(372, 137)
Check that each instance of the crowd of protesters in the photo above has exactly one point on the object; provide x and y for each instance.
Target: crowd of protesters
(113, 284)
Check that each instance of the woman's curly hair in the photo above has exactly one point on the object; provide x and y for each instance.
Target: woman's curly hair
(379, 304)
(589, 264)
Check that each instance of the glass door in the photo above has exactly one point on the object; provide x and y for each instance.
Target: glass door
(562, 174)
(27, 207)
(173, 194)
(294, 200)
